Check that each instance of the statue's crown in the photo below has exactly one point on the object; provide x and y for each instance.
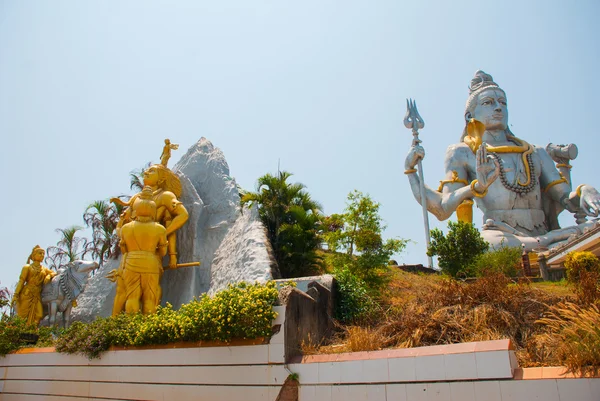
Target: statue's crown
(481, 80)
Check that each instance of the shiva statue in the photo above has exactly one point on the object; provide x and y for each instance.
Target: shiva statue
(516, 185)
(28, 294)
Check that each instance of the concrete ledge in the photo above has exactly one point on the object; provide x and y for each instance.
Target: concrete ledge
(454, 362)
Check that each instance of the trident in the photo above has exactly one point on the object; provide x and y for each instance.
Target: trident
(412, 120)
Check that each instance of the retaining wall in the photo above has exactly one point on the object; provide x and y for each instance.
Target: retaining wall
(470, 371)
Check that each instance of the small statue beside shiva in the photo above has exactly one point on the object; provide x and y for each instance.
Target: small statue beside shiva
(520, 188)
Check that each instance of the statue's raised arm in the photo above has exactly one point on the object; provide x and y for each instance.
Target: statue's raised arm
(461, 184)
(517, 186)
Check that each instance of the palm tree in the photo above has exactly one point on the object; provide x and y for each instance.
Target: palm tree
(67, 247)
(291, 217)
(102, 217)
(136, 178)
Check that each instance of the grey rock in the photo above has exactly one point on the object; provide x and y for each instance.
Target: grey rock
(230, 244)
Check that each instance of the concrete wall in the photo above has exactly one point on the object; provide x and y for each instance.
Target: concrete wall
(466, 372)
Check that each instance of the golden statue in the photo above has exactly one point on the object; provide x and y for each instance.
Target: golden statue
(166, 153)
(164, 188)
(28, 294)
(143, 243)
(171, 213)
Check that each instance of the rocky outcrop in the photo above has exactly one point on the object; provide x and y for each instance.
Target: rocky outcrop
(97, 298)
(230, 244)
(243, 254)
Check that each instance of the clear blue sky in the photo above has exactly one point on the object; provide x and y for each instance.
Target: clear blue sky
(90, 89)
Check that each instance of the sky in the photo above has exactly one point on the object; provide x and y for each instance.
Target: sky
(90, 90)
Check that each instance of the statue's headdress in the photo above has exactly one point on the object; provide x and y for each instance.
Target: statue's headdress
(35, 248)
(169, 180)
(144, 206)
(480, 82)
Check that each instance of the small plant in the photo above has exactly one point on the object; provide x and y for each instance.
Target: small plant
(587, 288)
(579, 261)
(506, 260)
(14, 334)
(353, 303)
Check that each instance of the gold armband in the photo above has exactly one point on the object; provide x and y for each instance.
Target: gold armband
(559, 165)
(477, 194)
(578, 190)
(410, 171)
(452, 181)
(555, 182)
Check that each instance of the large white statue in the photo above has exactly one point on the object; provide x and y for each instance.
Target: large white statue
(516, 185)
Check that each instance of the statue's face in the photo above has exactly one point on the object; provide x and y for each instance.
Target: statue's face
(491, 109)
(151, 176)
(38, 255)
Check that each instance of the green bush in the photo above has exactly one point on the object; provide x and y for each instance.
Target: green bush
(242, 311)
(578, 261)
(11, 330)
(505, 260)
(458, 250)
(353, 302)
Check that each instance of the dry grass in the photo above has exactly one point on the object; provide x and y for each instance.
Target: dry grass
(426, 310)
(574, 335)
(356, 338)
(549, 323)
(453, 312)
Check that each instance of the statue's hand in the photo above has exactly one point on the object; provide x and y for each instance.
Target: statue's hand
(488, 169)
(112, 275)
(415, 154)
(589, 200)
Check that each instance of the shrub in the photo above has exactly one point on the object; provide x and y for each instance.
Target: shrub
(12, 329)
(458, 249)
(353, 302)
(239, 312)
(578, 261)
(587, 288)
(505, 260)
(574, 334)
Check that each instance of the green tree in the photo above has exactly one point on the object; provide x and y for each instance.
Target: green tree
(458, 250)
(102, 217)
(136, 178)
(68, 248)
(357, 234)
(292, 220)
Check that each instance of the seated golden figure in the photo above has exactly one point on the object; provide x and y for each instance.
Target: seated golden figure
(143, 243)
(28, 294)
